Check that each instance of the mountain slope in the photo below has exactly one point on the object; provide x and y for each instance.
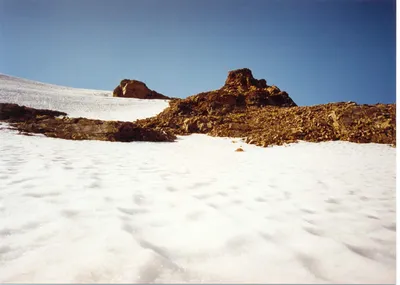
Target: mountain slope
(92, 104)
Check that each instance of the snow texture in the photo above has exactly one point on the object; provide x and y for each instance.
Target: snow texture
(191, 211)
(91, 104)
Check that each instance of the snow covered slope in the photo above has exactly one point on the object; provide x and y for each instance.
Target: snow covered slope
(92, 104)
(191, 211)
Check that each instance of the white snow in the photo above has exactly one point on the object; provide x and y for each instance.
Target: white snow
(92, 104)
(191, 211)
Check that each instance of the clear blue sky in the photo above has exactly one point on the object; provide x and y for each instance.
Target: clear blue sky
(318, 51)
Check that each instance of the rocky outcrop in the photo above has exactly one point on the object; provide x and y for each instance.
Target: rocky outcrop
(16, 113)
(240, 94)
(273, 125)
(30, 120)
(243, 107)
(252, 92)
(264, 115)
(243, 78)
(240, 91)
(136, 89)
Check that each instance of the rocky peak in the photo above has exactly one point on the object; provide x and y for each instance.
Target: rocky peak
(243, 79)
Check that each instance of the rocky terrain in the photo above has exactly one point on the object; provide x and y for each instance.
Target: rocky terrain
(243, 107)
(264, 115)
(14, 113)
(46, 122)
(136, 89)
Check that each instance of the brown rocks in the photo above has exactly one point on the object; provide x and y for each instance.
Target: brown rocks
(197, 125)
(239, 149)
(86, 129)
(136, 89)
(30, 120)
(240, 93)
(273, 125)
(15, 113)
(265, 115)
(255, 92)
(244, 79)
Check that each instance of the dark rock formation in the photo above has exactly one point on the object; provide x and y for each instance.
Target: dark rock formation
(136, 89)
(16, 113)
(30, 120)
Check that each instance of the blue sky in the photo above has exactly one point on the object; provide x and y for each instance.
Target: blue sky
(318, 51)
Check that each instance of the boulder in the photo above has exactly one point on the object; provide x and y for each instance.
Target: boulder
(136, 89)
(243, 78)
